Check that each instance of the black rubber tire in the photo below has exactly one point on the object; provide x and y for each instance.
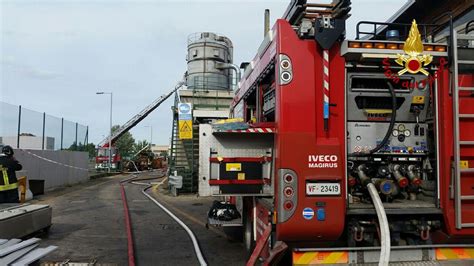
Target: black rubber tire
(249, 243)
(234, 233)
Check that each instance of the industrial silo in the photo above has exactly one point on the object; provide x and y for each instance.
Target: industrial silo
(210, 81)
(209, 58)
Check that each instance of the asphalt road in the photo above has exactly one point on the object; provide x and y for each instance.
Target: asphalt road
(88, 226)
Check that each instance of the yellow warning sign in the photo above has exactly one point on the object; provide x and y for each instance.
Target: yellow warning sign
(418, 99)
(185, 129)
(464, 164)
(233, 167)
(241, 176)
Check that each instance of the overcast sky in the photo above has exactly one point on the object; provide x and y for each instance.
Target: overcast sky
(55, 55)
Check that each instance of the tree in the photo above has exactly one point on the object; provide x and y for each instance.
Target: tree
(73, 147)
(90, 148)
(140, 146)
(125, 143)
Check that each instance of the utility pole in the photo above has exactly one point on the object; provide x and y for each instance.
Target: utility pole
(151, 135)
(110, 134)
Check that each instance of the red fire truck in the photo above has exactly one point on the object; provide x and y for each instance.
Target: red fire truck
(362, 150)
(102, 158)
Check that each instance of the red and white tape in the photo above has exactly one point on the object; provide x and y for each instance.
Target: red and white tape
(54, 162)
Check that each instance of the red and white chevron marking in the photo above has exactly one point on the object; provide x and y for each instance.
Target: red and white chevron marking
(326, 83)
(253, 130)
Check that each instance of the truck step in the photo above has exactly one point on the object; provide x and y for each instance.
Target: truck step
(215, 222)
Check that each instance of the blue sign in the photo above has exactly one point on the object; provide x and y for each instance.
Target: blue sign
(308, 213)
(184, 111)
(184, 108)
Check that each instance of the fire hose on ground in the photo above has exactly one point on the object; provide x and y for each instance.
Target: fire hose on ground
(190, 233)
(197, 248)
(384, 228)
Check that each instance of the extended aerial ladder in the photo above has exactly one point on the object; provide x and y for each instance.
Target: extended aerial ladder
(140, 116)
(102, 159)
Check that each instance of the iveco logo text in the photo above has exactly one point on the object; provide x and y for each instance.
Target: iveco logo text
(322, 161)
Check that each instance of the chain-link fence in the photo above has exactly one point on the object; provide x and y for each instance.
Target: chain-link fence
(27, 129)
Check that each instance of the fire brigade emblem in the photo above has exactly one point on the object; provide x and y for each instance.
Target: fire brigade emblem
(413, 60)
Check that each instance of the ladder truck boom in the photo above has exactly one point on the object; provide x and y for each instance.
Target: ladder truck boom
(140, 116)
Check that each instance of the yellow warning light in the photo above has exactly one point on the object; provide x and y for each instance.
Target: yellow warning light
(392, 46)
(380, 45)
(354, 45)
(428, 47)
(367, 45)
(439, 48)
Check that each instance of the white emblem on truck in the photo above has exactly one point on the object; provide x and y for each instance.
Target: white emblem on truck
(322, 161)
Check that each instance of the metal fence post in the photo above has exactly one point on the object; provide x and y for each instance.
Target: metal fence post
(44, 123)
(86, 137)
(62, 132)
(19, 128)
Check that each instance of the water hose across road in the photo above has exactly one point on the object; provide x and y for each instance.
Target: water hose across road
(131, 256)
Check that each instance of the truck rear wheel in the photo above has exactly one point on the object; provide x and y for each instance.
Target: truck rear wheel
(234, 233)
(249, 243)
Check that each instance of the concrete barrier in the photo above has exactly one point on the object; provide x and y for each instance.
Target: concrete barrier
(56, 168)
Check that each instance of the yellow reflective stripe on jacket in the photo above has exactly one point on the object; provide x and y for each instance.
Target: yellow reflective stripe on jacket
(9, 186)
(6, 182)
(5, 175)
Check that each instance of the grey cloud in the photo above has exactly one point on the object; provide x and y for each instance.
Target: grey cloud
(29, 71)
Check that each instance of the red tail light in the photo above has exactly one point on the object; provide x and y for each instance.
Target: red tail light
(288, 192)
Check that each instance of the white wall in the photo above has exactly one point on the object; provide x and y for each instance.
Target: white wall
(55, 174)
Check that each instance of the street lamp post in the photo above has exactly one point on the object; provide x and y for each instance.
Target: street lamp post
(151, 135)
(110, 135)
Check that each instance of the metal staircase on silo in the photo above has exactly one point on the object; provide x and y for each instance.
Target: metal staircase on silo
(184, 155)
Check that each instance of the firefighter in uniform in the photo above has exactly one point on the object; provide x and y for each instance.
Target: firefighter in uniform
(8, 181)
